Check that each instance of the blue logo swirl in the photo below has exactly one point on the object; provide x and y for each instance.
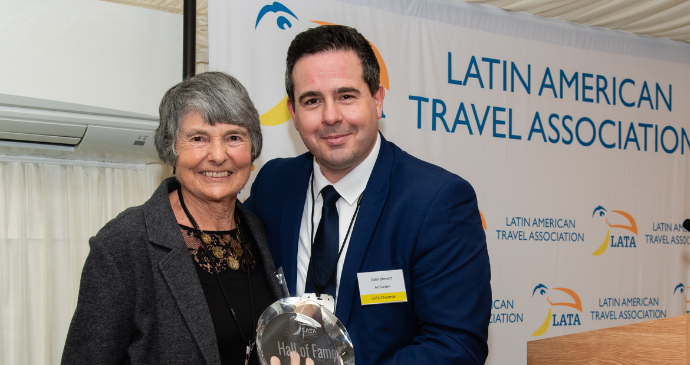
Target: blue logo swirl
(276, 7)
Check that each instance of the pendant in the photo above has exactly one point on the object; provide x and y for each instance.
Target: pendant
(206, 238)
(249, 353)
(217, 252)
(233, 263)
(238, 251)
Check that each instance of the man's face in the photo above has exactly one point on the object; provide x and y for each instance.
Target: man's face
(334, 111)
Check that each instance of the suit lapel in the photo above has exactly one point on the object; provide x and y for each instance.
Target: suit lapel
(373, 201)
(292, 216)
(178, 271)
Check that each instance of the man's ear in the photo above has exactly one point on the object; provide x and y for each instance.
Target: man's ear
(378, 99)
(291, 109)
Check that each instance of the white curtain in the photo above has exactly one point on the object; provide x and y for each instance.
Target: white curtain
(47, 214)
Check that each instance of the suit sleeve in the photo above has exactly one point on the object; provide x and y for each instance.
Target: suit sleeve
(102, 325)
(450, 282)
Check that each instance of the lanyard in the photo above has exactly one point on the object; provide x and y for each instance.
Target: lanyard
(317, 286)
(250, 342)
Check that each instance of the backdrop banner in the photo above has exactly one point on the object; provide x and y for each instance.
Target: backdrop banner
(576, 139)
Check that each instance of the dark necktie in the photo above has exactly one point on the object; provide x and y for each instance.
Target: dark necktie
(324, 250)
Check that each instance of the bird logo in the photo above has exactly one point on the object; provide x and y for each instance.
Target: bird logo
(615, 214)
(542, 290)
(680, 288)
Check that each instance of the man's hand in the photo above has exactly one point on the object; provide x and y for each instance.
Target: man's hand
(294, 360)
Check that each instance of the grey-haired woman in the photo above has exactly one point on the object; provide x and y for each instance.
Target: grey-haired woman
(183, 278)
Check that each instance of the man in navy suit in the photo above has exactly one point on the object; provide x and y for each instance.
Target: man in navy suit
(410, 224)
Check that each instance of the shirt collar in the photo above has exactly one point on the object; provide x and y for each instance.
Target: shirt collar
(353, 184)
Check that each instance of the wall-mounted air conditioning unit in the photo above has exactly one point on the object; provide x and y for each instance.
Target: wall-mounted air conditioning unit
(30, 125)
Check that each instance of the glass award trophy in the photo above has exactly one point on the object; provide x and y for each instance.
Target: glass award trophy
(300, 331)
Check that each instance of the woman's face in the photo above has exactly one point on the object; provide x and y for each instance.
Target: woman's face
(213, 161)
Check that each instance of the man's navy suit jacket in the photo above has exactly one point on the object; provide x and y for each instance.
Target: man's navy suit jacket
(414, 216)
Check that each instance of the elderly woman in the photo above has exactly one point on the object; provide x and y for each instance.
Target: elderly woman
(183, 278)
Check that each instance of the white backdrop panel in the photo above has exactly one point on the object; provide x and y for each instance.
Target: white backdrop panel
(575, 139)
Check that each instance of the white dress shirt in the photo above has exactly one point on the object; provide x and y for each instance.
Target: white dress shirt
(350, 188)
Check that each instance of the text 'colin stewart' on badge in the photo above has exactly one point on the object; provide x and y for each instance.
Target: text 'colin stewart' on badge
(382, 287)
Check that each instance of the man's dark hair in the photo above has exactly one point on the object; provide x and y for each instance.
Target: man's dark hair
(331, 38)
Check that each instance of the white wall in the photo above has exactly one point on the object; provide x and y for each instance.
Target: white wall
(89, 52)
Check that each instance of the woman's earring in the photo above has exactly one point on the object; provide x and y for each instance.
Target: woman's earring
(253, 167)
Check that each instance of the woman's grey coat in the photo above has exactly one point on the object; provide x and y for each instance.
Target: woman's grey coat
(140, 299)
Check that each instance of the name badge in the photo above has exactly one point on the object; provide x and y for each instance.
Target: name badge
(378, 287)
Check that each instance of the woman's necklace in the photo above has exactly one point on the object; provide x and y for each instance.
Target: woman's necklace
(218, 251)
(206, 239)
